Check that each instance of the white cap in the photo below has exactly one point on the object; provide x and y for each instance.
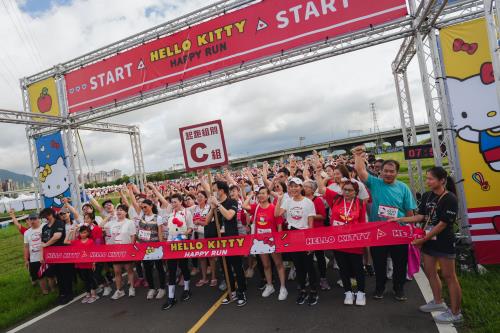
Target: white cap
(295, 180)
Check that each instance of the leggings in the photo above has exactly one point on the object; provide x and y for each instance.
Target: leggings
(64, 275)
(87, 276)
(172, 270)
(148, 267)
(351, 264)
(320, 258)
(305, 266)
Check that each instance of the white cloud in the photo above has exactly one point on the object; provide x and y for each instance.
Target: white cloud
(319, 100)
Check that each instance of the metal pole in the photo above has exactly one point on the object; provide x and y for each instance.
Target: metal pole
(493, 28)
(34, 166)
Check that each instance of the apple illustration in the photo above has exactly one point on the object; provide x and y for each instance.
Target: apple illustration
(44, 101)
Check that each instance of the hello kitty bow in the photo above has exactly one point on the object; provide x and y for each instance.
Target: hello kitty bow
(486, 73)
(47, 170)
(460, 45)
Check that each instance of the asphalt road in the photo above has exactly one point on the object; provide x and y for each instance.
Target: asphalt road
(259, 315)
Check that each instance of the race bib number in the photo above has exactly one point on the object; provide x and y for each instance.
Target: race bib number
(387, 211)
(338, 223)
(263, 231)
(428, 229)
(145, 235)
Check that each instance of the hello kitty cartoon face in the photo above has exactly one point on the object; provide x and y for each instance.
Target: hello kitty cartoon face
(177, 227)
(153, 253)
(260, 246)
(477, 120)
(54, 180)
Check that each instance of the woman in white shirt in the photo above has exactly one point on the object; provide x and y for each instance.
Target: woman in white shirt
(180, 225)
(300, 214)
(121, 230)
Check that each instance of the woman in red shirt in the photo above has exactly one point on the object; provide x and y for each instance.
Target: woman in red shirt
(264, 222)
(347, 208)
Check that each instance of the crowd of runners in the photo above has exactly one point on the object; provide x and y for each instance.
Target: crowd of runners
(287, 195)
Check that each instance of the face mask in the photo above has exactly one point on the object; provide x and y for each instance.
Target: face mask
(247, 189)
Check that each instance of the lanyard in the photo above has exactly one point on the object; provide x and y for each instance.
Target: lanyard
(348, 212)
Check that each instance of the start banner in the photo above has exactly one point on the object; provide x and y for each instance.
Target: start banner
(262, 29)
(325, 238)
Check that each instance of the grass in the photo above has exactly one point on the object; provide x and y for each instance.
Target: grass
(481, 301)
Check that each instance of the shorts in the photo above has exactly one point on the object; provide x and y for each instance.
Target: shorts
(34, 267)
(438, 254)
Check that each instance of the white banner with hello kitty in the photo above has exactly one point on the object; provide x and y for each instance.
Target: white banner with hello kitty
(475, 116)
(52, 171)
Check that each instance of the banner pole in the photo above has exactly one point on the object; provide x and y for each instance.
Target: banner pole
(217, 224)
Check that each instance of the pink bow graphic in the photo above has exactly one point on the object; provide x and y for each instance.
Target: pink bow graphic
(487, 76)
(460, 45)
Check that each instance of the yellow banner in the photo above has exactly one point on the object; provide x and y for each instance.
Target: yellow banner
(43, 97)
(475, 110)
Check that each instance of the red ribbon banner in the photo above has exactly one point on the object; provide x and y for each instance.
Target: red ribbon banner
(326, 238)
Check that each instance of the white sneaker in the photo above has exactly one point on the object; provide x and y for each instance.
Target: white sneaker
(340, 284)
(349, 298)
(268, 290)
(283, 294)
(433, 306)
(151, 294)
(360, 298)
(292, 274)
(107, 291)
(447, 317)
(161, 294)
(118, 294)
(131, 292)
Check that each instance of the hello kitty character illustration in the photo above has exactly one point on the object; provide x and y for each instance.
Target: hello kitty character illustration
(478, 119)
(178, 225)
(54, 180)
(153, 253)
(265, 245)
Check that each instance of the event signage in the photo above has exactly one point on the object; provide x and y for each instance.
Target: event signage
(262, 29)
(203, 146)
(43, 98)
(325, 238)
(475, 115)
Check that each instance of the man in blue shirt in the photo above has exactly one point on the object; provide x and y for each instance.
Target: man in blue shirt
(390, 199)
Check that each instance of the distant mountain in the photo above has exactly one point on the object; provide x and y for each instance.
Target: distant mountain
(19, 178)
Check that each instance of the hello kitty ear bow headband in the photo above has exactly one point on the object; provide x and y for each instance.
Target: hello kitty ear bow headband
(486, 73)
(47, 170)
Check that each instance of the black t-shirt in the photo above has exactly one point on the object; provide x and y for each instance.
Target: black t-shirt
(446, 211)
(230, 226)
(49, 231)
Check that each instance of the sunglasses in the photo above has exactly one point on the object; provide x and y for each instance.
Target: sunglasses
(63, 213)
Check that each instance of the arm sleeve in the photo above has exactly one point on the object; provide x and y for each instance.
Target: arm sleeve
(25, 237)
(371, 181)
(410, 203)
(363, 193)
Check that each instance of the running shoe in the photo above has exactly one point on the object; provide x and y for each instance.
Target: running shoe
(160, 294)
(169, 304)
(262, 285)
(301, 299)
(360, 298)
(107, 291)
(151, 294)
(378, 295)
(283, 294)
(313, 298)
(349, 298)
(268, 290)
(222, 285)
(131, 292)
(186, 295)
(447, 317)
(228, 300)
(92, 299)
(433, 306)
(118, 294)
(86, 299)
(400, 296)
(241, 299)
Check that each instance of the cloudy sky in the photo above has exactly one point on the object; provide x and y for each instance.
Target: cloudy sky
(318, 101)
